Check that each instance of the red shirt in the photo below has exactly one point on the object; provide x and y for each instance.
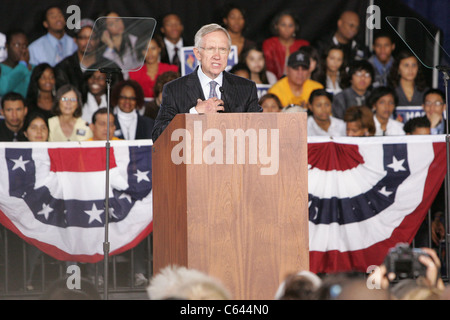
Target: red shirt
(275, 54)
(146, 82)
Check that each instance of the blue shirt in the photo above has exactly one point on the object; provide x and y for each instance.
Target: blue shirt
(44, 49)
(14, 79)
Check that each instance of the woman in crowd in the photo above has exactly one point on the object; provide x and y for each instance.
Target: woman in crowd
(332, 69)
(67, 124)
(36, 127)
(94, 96)
(254, 58)
(382, 101)
(407, 78)
(278, 48)
(41, 90)
(233, 19)
(152, 68)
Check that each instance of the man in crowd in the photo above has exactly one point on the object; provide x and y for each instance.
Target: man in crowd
(14, 111)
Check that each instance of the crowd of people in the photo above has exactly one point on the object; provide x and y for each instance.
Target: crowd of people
(51, 89)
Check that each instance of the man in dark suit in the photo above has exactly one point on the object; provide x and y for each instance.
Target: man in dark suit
(209, 88)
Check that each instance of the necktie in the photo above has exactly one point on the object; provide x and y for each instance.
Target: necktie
(175, 58)
(212, 89)
(59, 52)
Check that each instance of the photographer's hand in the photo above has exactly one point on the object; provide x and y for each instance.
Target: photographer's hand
(433, 265)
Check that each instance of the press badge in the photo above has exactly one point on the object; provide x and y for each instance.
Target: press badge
(81, 132)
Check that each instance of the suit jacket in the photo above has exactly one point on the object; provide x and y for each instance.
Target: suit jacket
(143, 129)
(180, 95)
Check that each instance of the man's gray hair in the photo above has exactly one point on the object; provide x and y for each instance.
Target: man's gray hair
(208, 29)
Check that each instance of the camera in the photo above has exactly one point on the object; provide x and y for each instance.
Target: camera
(404, 262)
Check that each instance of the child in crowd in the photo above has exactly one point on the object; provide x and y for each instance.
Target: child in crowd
(321, 122)
(270, 103)
(359, 122)
(383, 100)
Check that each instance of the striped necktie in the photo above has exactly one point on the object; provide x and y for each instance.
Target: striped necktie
(212, 89)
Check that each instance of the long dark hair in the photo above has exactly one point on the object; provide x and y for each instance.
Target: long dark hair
(262, 73)
(33, 87)
(394, 75)
(321, 74)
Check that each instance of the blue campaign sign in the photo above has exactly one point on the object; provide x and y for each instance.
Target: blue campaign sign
(404, 113)
(189, 61)
(262, 89)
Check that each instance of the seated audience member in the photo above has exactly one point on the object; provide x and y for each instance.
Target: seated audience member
(418, 125)
(270, 103)
(345, 35)
(67, 124)
(240, 69)
(180, 283)
(152, 68)
(408, 80)
(358, 83)
(35, 128)
(278, 48)
(253, 57)
(321, 122)
(99, 125)
(14, 111)
(359, 122)
(383, 100)
(41, 90)
(298, 286)
(331, 70)
(152, 107)
(55, 45)
(128, 97)
(15, 71)
(295, 88)
(172, 30)
(233, 18)
(434, 106)
(382, 59)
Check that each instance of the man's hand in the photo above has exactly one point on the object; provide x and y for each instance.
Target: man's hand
(212, 105)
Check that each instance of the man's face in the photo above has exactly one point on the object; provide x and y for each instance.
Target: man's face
(361, 80)
(297, 76)
(348, 25)
(383, 48)
(14, 113)
(82, 39)
(55, 20)
(433, 105)
(213, 53)
(172, 28)
(18, 47)
(100, 128)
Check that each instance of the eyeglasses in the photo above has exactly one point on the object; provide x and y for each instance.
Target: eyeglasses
(434, 103)
(65, 99)
(362, 74)
(212, 50)
(127, 98)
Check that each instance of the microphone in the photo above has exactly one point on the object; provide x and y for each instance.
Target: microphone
(222, 92)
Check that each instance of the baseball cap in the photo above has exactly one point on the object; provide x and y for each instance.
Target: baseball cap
(298, 59)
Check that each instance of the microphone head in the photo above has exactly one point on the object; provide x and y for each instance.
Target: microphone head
(221, 89)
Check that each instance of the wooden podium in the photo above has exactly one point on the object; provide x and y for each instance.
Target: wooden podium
(241, 220)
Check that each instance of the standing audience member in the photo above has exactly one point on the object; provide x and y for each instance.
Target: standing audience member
(407, 78)
(332, 69)
(434, 106)
(128, 97)
(15, 71)
(358, 83)
(345, 36)
(270, 103)
(314, 59)
(67, 124)
(383, 100)
(253, 57)
(296, 87)
(234, 19)
(359, 122)
(152, 68)
(172, 30)
(55, 45)
(152, 107)
(278, 48)
(321, 122)
(382, 59)
(42, 89)
(93, 93)
(14, 111)
(99, 125)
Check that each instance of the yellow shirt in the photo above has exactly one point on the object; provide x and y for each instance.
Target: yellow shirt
(282, 90)
(81, 131)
